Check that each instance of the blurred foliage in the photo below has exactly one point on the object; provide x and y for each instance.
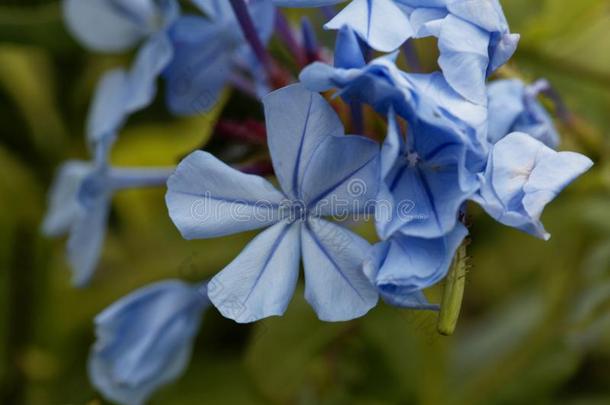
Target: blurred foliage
(535, 326)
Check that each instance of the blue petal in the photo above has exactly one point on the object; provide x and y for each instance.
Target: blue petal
(120, 93)
(522, 177)
(427, 21)
(201, 65)
(206, 198)
(464, 58)
(437, 91)
(393, 145)
(425, 202)
(513, 107)
(371, 265)
(150, 61)
(486, 14)
(505, 106)
(226, 47)
(335, 285)
(342, 176)
(108, 110)
(109, 26)
(144, 340)
(348, 53)
(260, 281)
(503, 46)
(410, 264)
(319, 76)
(63, 207)
(297, 122)
(86, 239)
(423, 198)
(381, 23)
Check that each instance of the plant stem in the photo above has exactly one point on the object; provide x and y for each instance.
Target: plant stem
(286, 33)
(240, 8)
(453, 294)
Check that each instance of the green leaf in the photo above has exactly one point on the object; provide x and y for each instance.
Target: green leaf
(165, 144)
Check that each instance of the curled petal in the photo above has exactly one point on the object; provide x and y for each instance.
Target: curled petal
(464, 58)
(144, 340)
(523, 175)
(405, 265)
(381, 23)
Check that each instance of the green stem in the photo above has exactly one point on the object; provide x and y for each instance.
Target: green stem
(453, 294)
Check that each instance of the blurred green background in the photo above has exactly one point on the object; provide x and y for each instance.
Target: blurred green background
(535, 326)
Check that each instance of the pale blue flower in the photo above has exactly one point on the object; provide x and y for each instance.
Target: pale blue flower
(79, 203)
(523, 175)
(514, 107)
(424, 183)
(145, 340)
(321, 173)
(209, 50)
(120, 25)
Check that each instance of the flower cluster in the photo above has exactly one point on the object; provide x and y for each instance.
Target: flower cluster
(451, 138)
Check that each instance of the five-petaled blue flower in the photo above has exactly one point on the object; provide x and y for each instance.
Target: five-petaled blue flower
(322, 173)
(424, 182)
(145, 339)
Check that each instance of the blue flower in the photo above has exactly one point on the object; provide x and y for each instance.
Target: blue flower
(523, 175)
(424, 100)
(145, 339)
(403, 266)
(473, 35)
(208, 51)
(424, 183)
(321, 173)
(514, 107)
(119, 25)
(79, 203)
(196, 55)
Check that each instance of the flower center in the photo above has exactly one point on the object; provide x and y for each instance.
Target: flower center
(294, 210)
(412, 159)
